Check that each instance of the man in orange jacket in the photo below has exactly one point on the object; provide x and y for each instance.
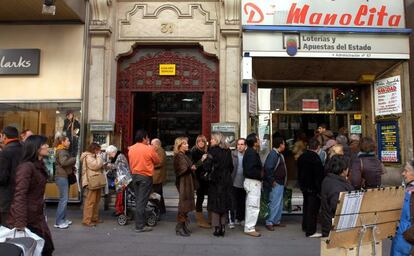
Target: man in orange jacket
(142, 158)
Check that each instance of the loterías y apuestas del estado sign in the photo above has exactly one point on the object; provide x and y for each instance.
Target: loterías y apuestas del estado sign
(338, 13)
(19, 61)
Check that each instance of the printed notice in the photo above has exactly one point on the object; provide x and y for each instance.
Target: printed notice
(350, 211)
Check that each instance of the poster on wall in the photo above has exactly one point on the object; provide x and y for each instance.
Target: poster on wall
(310, 104)
(388, 138)
(387, 95)
(252, 97)
(229, 130)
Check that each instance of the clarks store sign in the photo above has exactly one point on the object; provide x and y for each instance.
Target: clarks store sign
(19, 61)
(326, 13)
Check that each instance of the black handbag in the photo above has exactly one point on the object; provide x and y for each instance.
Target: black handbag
(72, 176)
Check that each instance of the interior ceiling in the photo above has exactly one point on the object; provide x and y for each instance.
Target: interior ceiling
(316, 70)
(31, 10)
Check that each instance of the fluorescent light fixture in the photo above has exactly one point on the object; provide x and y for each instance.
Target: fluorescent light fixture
(187, 100)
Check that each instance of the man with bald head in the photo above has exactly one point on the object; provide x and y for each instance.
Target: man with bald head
(160, 174)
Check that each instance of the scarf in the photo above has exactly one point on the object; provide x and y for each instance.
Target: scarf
(7, 141)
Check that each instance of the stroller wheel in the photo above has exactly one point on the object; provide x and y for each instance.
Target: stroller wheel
(152, 220)
(122, 220)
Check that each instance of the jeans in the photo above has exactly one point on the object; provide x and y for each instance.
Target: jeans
(253, 190)
(142, 187)
(275, 205)
(63, 187)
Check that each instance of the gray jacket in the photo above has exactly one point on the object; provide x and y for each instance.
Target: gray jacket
(234, 154)
(64, 163)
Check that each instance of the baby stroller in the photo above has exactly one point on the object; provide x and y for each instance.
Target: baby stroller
(152, 209)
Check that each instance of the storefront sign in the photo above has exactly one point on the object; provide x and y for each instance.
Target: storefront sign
(310, 104)
(388, 141)
(316, 45)
(387, 94)
(252, 98)
(19, 61)
(338, 13)
(229, 131)
(101, 127)
(167, 69)
(356, 129)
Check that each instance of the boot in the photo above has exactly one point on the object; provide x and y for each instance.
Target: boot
(217, 231)
(222, 230)
(186, 227)
(179, 230)
(201, 222)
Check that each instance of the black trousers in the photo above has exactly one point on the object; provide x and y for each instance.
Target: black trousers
(142, 187)
(202, 191)
(311, 205)
(157, 188)
(3, 218)
(238, 204)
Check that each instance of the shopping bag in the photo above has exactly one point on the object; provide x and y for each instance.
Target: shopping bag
(7, 234)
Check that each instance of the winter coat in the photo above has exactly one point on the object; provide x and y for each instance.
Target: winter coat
(185, 182)
(399, 246)
(27, 207)
(310, 172)
(9, 160)
(332, 185)
(90, 163)
(64, 163)
(252, 165)
(196, 155)
(219, 165)
(235, 155)
(160, 173)
(366, 168)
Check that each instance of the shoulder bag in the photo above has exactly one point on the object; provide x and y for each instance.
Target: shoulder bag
(96, 179)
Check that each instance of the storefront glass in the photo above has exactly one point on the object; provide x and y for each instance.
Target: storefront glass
(50, 120)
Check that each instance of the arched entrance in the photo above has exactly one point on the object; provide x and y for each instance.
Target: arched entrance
(145, 99)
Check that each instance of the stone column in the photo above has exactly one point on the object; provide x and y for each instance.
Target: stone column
(99, 93)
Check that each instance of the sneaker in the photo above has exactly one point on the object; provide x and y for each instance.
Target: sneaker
(69, 222)
(315, 235)
(144, 229)
(231, 225)
(63, 225)
(253, 233)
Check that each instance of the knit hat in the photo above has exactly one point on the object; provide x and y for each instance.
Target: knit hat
(11, 132)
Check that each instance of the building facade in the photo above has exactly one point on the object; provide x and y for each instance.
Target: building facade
(342, 64)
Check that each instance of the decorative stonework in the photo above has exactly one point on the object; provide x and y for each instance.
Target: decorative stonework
(232, 11)
(99, 11)
(167, 22)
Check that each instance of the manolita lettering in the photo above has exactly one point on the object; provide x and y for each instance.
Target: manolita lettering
(364, 17)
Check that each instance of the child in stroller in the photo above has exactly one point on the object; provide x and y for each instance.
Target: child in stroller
(152, 210)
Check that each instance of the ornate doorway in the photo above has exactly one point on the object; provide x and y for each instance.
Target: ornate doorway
(139, 72)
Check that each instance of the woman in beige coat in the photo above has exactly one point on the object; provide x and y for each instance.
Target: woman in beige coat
(91, 162)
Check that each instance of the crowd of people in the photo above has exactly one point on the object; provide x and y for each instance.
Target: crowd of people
(233, 181)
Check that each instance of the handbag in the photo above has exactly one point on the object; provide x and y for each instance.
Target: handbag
(96, 180)
(72, 179)
(409, 233)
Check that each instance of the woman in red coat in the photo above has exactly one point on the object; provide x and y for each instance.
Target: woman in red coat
(26, 210)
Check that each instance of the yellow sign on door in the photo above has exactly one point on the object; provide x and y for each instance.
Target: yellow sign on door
(357, 117)
(167, 69)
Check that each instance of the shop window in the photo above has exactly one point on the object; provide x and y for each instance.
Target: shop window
(48, 119)
(348, 99)
(309, 99)
(277, 99)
